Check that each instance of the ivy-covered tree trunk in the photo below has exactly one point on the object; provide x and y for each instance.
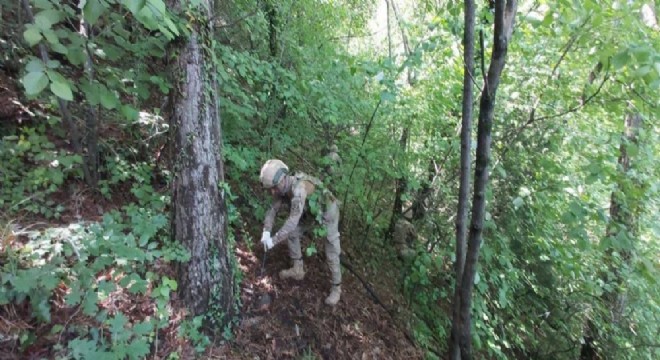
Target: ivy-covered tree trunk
(200, 213)
(505, 11)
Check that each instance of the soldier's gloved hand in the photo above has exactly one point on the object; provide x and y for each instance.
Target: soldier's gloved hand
(267, 240)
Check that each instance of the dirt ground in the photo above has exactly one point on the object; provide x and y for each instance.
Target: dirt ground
(298, 325)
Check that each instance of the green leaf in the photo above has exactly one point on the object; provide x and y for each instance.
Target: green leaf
(171, 26)
(42, 4)
(129, 112)
(134, 5)
(138, 349)
(311, 250)
(143, 328)
(117, 323)
(92, 11)
(59, 85)
(83, 349)
(387, 96)
(47, 18)
(170, 283)
(74, 295)
(35, 65)
(53, 64)
(158, 7)
(620, 60)
(90, 92)
(34, 82)
(62, 90)
(32, 35)
(108, 98)
(89, 304)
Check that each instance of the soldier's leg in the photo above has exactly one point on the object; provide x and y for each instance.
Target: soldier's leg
(296, 272)
(332, 251)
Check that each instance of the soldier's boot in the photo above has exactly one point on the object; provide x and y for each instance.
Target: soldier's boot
(335, 295)
(297, 272)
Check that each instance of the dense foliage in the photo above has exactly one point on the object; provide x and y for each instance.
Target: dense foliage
(296, 77)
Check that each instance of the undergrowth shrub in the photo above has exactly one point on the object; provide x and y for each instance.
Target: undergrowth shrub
(32, 168)
(76, 283)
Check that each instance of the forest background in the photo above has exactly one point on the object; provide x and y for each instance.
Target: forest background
(98, 255)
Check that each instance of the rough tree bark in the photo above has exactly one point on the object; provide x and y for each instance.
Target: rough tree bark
(464, 187)
(200, 214)
(505, 11)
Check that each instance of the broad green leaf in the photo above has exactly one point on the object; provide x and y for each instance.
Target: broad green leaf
(47, 18)
(32, 35)
(92, 11)
(129, 112)
(620, 60)
(35, 65)
(61, 90)
(134, 6)
(158, 7)
(53, 64)
(108, 98)
(35, 82)
(90, 92)
(42, 4)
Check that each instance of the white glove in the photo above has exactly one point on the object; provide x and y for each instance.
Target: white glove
(267, 240)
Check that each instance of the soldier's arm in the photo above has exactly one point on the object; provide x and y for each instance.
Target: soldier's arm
(297, 207)
(272, 212)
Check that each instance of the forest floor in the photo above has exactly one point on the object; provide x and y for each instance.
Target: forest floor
(297, 324)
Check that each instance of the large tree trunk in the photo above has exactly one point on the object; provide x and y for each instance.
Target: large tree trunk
(200, 214)
(464, 187)
(505, 11)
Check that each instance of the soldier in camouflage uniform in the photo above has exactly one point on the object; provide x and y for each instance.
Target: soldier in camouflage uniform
(294, 190)
(404, 237)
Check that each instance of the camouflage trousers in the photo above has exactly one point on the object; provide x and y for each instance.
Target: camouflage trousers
(332, 243)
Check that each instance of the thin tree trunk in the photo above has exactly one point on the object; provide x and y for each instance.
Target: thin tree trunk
(505, 11)
(200, 213)
(401, 185)
(464, 187)
(623, 211)
(91, 117)
(67, 119)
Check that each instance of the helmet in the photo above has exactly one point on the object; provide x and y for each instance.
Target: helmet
(272, 173)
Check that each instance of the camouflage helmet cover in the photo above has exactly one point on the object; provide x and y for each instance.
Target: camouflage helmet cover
(272, 173)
